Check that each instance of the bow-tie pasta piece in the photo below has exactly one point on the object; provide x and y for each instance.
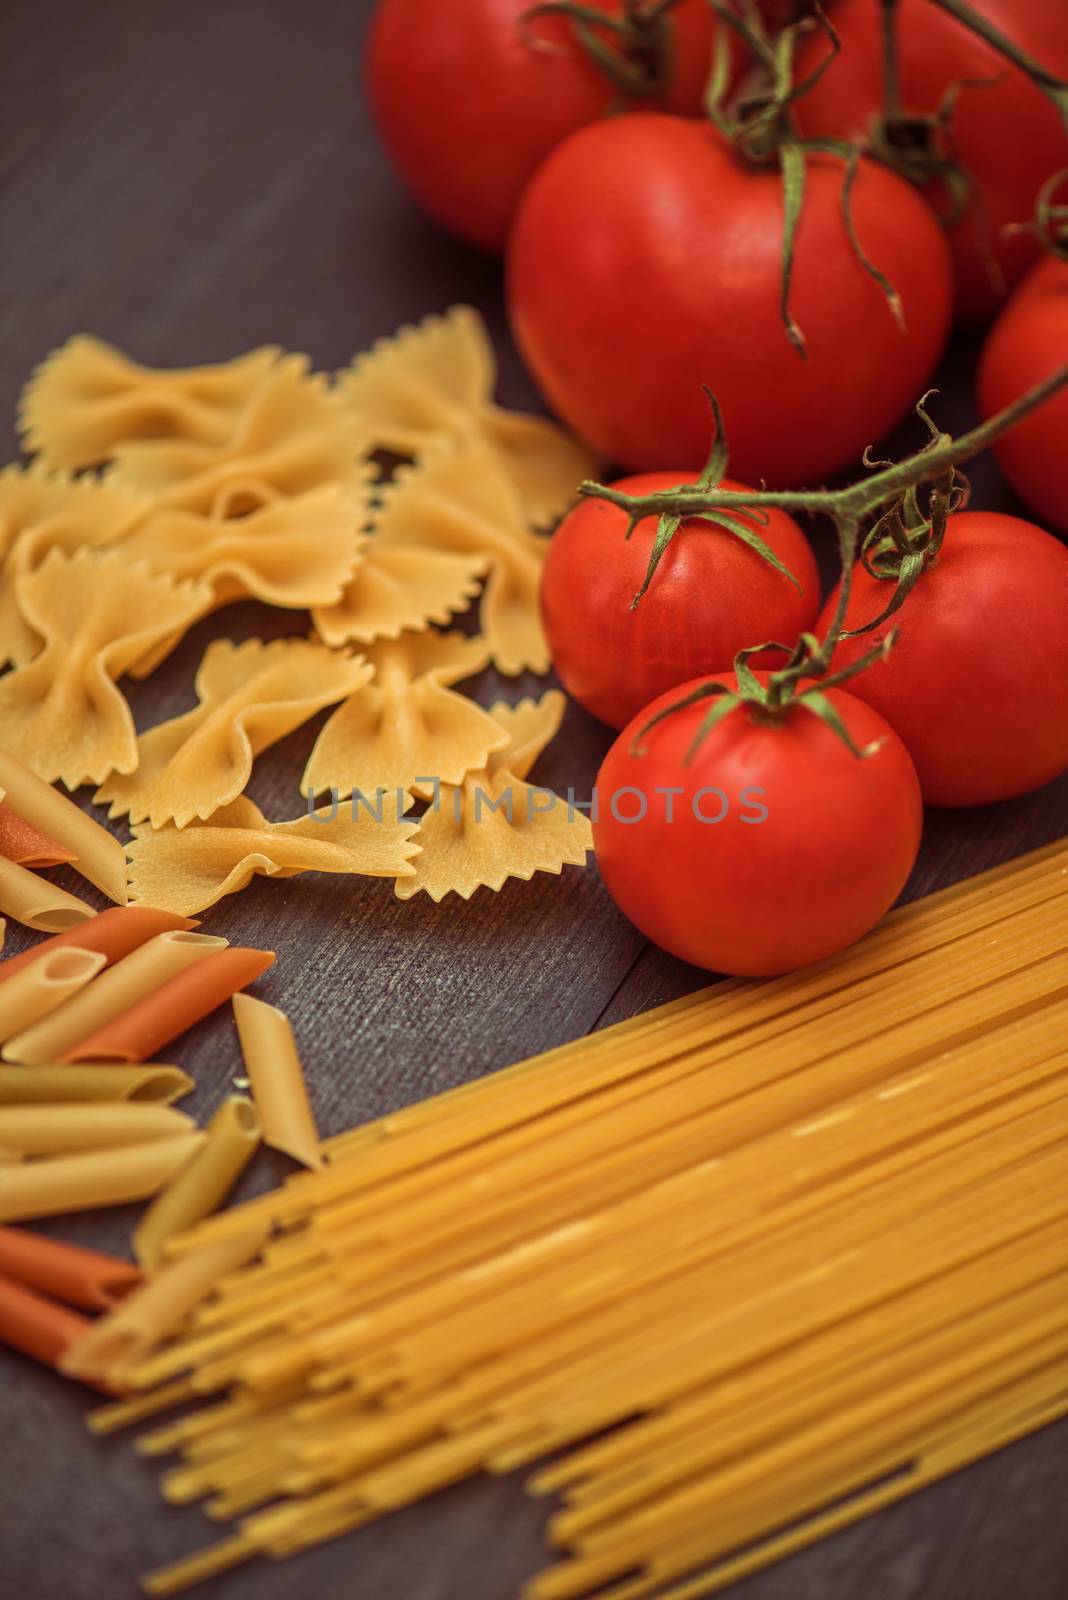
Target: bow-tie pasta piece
(460, 501)
(494, 826)
(251, 695)
(433, 384)
(42, 511)
(87, 398)
(292, 437)
(400, 589)
(97, 614)
(189, 869)
(407, 727)
(294, 553)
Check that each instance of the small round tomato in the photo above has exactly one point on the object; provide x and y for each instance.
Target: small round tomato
(1028, 343)
(976, 685)
(470, 95)
(711, 596)
(1004, 133)
(645, 261)
(773, 847)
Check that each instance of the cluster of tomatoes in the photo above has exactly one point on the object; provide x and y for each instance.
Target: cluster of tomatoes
(644, 257)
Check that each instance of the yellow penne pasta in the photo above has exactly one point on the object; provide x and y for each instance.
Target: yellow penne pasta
(98, 854)
(274, 1073)
(54, 1130)
(231, 1140)
(156, 1310)
(137, 975)
(37, 903)
(93, 1178)
(45, 984)
(92, 1081)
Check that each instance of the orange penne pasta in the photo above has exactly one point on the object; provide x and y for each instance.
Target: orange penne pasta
(161, 1017)
(23, 842)
(113, 933)
(38, 1327)
(80, 1277)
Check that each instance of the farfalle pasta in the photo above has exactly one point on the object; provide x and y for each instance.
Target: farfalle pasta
(397, 589)
(190, 869)
(433, 384)
(61, 713)
(408, 727)
(293, 553)
(292, 437)
(42, 511)
(458, 500)
(87, 398)
(494, 825)
(251, 695)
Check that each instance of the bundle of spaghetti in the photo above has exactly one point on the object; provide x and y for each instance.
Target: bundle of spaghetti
(800, 1245)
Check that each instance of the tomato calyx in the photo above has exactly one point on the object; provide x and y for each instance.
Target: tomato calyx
(715, 470)
(920, 147)
(760, 127)
(905, 540)
(1050, 221)
(773, 700)
(639, 61)
(891, 495)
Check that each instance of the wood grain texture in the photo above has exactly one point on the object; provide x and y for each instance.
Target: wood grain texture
(190, 181)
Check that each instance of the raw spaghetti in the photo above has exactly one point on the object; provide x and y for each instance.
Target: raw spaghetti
(800, 1245)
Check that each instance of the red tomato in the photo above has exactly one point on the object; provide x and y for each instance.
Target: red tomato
(711, 597)
(1029, 342)
(977, 684)
(645, 261)
(812, 844)
(1005, 132)
(467, 105)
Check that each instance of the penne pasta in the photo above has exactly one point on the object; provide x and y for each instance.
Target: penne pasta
(97, 854)
(92, 1178)
(89, 1081)
(278, 1087)
(43, 985)
(155, 1021)
(25, 843)
(37, 903)
(36, 1326)
(56, 1130)
(231, 1140)
(83, 1278)
(113, 933)
(155, 1310)
(125, 984)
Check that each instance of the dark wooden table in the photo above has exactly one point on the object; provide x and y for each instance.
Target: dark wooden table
(190, 181)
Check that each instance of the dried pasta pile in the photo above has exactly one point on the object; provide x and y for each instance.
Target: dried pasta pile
(801, 1245)
(155, 498)
(86, 1120)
